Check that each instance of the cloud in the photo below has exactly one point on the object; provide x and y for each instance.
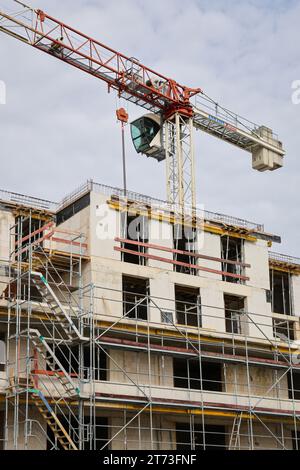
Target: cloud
(59, 128)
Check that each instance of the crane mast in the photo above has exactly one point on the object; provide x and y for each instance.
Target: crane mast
(180, 161)
(170, 103)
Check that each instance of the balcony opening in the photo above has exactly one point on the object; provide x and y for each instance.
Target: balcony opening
(232, 251)
(191, 437)
(188, 373)
(135, 228)
(188, 306)
(68, 356)
(25, 294)
(184, 239)
(26, 226)
(283, 330)
(135, 298)
(281, 292)
(235, 319)
(294, 385)
(97, 359)
(101, 434)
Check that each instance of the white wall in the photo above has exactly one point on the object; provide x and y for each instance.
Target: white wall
(106, 270)
(296, 294)
(7, 220)
(256, 254)
(104, 227)
(210, 245)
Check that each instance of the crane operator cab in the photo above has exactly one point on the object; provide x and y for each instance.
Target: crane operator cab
(146, 133)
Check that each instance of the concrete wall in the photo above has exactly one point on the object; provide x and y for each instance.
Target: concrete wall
(101, 225)
(256, 254)
(259, 383)
(105, 225)
(37, 440)
(160, 233)
(137, 435)
(163, 435)
(263, 438)
(296, 294)
(107, 277)
(136, 366)
(209, 245)
(6, 221)
(79, 223)
(107, 269)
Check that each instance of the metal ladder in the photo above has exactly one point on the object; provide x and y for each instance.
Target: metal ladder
(235, 441)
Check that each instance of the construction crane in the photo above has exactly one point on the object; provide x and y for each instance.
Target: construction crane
(166, 132)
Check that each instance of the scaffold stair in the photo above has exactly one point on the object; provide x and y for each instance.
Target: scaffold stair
(46, 353)
(62, 318)
(52, 420)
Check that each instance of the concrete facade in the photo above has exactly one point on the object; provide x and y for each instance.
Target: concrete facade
(134, 370)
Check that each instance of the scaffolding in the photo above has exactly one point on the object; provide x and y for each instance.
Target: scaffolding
(50, 277)
(86, 371)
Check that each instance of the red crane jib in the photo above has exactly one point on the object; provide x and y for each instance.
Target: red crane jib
(134, 81)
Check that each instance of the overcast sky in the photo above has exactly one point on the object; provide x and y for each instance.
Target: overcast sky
(59, 129)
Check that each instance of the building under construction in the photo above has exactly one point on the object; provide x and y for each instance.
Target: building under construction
(131, 323)
(126, 326)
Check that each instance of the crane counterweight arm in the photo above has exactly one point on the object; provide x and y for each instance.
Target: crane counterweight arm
(133, 81)
(266, 149)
